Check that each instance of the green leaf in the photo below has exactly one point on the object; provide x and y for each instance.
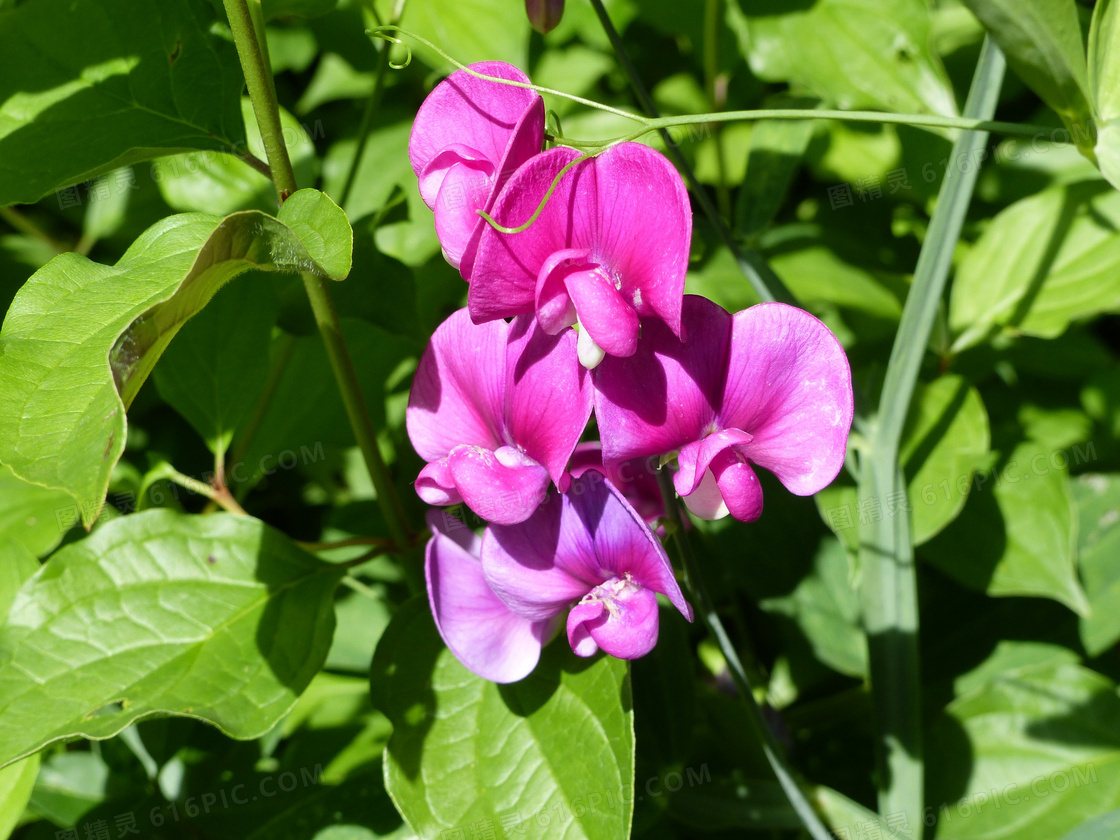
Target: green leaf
(296, 8)
(470, 30)
(17, 564)
(852, 53)
(1017, 536)
(1098, 508)
(945, 439)
(754, 805)
(1027, 756)
(16, 783)
(215, 617)
(216, 368)
(207, 182)
(556, 749)
(33, 516)
(81, 338)
(777, 147)
(1042, 263)
(1104, 827)
(114, 83)
(109, 199)
(383, 167)
(1104, 80)
(1042, 42)
(334, 79)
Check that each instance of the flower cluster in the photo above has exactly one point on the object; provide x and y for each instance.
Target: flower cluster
(600, 323)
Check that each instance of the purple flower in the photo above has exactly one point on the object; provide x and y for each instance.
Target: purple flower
(611, 245)
(636, 479)
(768, 386)
(496, 410)
(469, 136)
(586, 553)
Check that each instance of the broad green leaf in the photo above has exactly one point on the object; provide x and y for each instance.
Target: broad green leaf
(384, 167)
(1042, 42)
(33, 516)
(17, 564)
(1104, 827)
(109, 199)
(470, 30)
(291, 48)
(16, 782)
(945, 440)
(1012, 655)
(852, 53)
(214, 617)
(1104, 81)
(207, 182)
(1043, 262)
(412, 241)
(70, 785)
(114, 83)
(1098, 508)
(215, 370)
(845, 816)
(81, 338)
(1027, 756)
(465, 750)
(1017, 535)
(777, 147)
(334, 79)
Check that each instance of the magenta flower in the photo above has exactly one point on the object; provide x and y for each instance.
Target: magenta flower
(496, 410)
(469, 136)
(636, 479)
(475, 624)
(769, 386)
(610, 246)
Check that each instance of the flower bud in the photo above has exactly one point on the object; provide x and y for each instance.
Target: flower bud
(544, 15)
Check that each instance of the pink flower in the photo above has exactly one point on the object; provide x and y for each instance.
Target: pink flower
(636, 479)
(496, 410)
(610, 246)
(769, 386)
(586, 553)
(469, 136)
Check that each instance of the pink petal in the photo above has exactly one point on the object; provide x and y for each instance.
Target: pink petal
(666, 395)
(465, 109)
(472, 165)
(462, 192)
(738, 485)
(506, 266)
(458, 392)
(549, 395)
(603, 312)
(790, 387)
(636, 479)
(436, 486)
(555, 310)
(503, 486)
(695, 457)
(479, 629)
(627, 629)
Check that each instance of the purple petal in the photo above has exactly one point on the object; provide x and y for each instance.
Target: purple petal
(666, 395)
(549, 395)
(479, 629)
(627, 628)
(789, 386)
(458, 392)
(436, 486)
(696, 456)
(503, 486)
(636, 479)
(506, 266)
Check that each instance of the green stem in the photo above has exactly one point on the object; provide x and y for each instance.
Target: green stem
(258, 79)
(888, 588)
(260, 410)
(327, 318)
(370, 111)
(772, 748)
(766, 283)
(25, 225)
(220, 497)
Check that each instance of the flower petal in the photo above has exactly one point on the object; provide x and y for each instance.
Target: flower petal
(549, 396)
(738, 485)
(436, 486)
(636, 479)
(555, 310)
(789, 386)
(479, 629)
(666, 394)
(706, 501)
(626, 629)
(506, 265)
(603, 312)
(695, 457)
(462, 192)
(458, 392)
(503, 486)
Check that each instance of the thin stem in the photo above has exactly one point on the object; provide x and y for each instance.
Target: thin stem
(256, 163)
(775, 754)
(762, 278)
(25, 225)
(889, 585)
(353, 541)
(258, 79)
(218, 495)
(327, 318)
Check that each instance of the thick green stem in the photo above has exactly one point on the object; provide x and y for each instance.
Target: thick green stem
(258, 79)
(888, 588)
(766, 283)
(772, 748)
(327, 319)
